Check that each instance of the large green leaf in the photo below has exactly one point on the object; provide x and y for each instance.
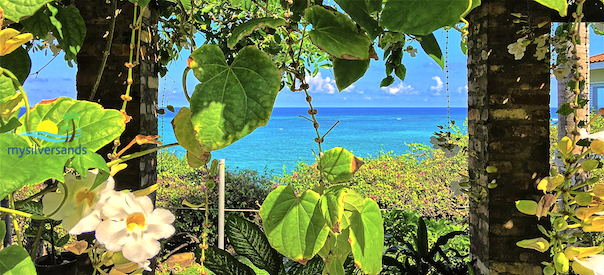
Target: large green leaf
(18, 62)
(339, 165)
(24, 165)
(39, 24)
(367, 237)
(560, 6)
(223, 263)
(360, 11)
(16, 9)
(249, 241)
(184, 133)
(347, 72)
(248, 27)
(14, 260)
(71, 30)
(432, 49)
(232, 100)
(95, 126)
(294, 224)
(421, 238)
(332, 206)
(421, 17)
(340, 248)
(313, 267)
(336, 34)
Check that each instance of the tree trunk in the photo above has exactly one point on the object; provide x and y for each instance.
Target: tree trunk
(566, 124)
(508, 128)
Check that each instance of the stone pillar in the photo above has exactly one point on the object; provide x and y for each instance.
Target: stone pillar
(141, 172)
(508, 127)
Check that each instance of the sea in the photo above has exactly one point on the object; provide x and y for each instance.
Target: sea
(288, 138)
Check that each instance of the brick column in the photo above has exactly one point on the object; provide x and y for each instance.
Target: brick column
(508, 127)
(141, 172)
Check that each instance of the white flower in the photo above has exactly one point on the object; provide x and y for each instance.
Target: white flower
(129, 224)
(540, 40)
(80, 200)
(594, 263)
(584, 134)
(519, 47)
(412, 51)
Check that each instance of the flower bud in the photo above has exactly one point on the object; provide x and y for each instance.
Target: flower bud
(539, 244)
(561, 262)
(597, 146)
(527, 207)
(565, 145)
(560, 224)
(549, 270)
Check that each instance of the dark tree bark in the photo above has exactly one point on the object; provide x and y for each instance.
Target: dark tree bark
(508, 127)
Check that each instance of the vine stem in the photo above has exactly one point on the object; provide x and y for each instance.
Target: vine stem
(130, 65)
(11, 202)
(139, 154)
(97, 82)
(17, 85)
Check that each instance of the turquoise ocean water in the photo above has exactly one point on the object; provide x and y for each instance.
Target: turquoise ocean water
(288, 139)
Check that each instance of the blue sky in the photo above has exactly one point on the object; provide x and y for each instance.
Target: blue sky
(424, 86)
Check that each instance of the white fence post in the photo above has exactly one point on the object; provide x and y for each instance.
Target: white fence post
(221, 204)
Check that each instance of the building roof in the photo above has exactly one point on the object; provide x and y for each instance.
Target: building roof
(597, 58)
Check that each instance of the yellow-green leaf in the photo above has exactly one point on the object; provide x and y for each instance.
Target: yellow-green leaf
(560, 6)
(339, 165)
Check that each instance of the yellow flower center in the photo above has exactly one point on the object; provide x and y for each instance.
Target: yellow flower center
(84, 195)
(135, 220)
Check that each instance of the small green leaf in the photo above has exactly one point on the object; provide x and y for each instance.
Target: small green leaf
(222, 263)
(170, 108)
(334, 33)
(313, 267)
(463, 45)
(82, 162)
(347, 72)
(18, 62)
(17, 9)
(249, 241)
(387, 81)
(564, 109)
(196, 162)
(400, 71)
(560, 6)
(213, 168)
(339, 165)
(101, 177)
(367, 237)
(14, 260)
(421, 238)
(12, 124)
(360, 12)
(432, 49)
(7, 89)
(294, 224)
(248, 28)
(232, 100)
(428, 16)
(589, 165)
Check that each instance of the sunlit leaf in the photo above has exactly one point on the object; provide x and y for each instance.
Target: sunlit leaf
(336, 34)
(7, 89)
(339, 165)
(294, 224)
(14, 260)
(232, 100)
(71, 29)
(90, 160)
(223, 263)
(332, 206)
(17, 9)
(560, 6)
(248, 27)
(347, 72)
(367, 237)
(422, 17)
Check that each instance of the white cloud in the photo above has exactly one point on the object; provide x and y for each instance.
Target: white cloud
(368, 98)
(344, 98)
(349, 88)
(321, 85)
(361, 92)
(462, 89)
(401, 88)
(439, 84)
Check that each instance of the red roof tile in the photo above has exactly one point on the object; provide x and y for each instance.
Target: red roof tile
(596, 58)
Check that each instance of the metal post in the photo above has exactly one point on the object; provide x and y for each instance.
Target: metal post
(221, 204)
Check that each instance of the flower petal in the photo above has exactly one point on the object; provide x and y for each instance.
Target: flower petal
(113, 234)
(86, 224)
(138, 252)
